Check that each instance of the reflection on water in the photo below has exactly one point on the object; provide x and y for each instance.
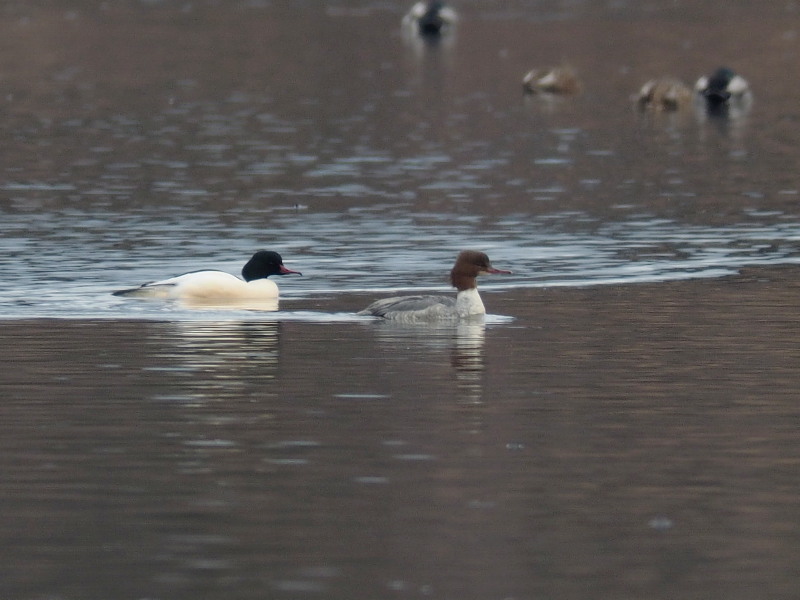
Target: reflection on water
(268, 305)
(221, 358)
(604, 427)
(468, 361)
(464, 341)
(729, 121)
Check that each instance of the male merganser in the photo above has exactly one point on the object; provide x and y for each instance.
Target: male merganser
(664, 93)
(219, 285)
(467, 302)
(721, 87)
(430, 18)
(552, 80)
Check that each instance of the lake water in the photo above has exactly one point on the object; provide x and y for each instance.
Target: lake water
(622, 425)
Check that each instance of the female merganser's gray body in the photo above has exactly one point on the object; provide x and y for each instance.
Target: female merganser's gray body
(467, 303)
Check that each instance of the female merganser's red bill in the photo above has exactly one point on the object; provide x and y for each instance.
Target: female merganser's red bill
(467, 302)
(218, 285)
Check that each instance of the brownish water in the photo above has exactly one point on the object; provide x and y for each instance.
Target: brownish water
(626, 442)
(623, 425)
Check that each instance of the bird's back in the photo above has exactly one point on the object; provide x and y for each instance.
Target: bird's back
(412, 307)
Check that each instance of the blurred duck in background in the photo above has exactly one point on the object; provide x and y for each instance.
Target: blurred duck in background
(663, 94)
(430, 18)
(723, 89)
(551, 80)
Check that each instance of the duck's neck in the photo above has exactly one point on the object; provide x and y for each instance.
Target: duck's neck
(469, 303)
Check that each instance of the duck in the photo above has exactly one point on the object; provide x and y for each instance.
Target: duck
(722, 87)
(467, 303)
(551, 80)
(213, 285)
(664, 94)
(430, 18)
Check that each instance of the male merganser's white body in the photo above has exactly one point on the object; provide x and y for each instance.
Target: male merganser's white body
(467, 302)
(218, 285)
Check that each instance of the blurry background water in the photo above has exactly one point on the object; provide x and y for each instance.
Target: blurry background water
(596, 438)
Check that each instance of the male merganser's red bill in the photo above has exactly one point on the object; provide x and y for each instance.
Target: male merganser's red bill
(218, 285)
(467, 303)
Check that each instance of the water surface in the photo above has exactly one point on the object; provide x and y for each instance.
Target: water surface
(623, 424)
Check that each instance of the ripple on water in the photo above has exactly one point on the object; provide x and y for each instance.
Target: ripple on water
(395, 250)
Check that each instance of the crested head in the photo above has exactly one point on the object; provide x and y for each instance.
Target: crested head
(263, 264)
(470, 264)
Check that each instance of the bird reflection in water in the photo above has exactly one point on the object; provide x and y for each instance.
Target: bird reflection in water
(729, 121)
(223, 357)
(263, 305)
(464, 340)
(468, 360)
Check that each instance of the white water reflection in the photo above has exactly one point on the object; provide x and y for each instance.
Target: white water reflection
(265, 305)
(468, 361)
(216, 360)
(463, 340)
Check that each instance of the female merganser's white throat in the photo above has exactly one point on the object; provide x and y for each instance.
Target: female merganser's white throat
(467, 302)
(218, 285)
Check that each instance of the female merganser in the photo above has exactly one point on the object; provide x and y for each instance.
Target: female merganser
(467, 302)
(552, 80)
(721, 87)
(218, 285)
(430, 18)
(664, 93)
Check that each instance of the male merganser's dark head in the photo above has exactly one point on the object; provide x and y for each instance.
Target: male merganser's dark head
(263, 264)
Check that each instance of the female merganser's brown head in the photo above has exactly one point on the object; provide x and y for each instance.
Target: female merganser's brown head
(470, 264)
